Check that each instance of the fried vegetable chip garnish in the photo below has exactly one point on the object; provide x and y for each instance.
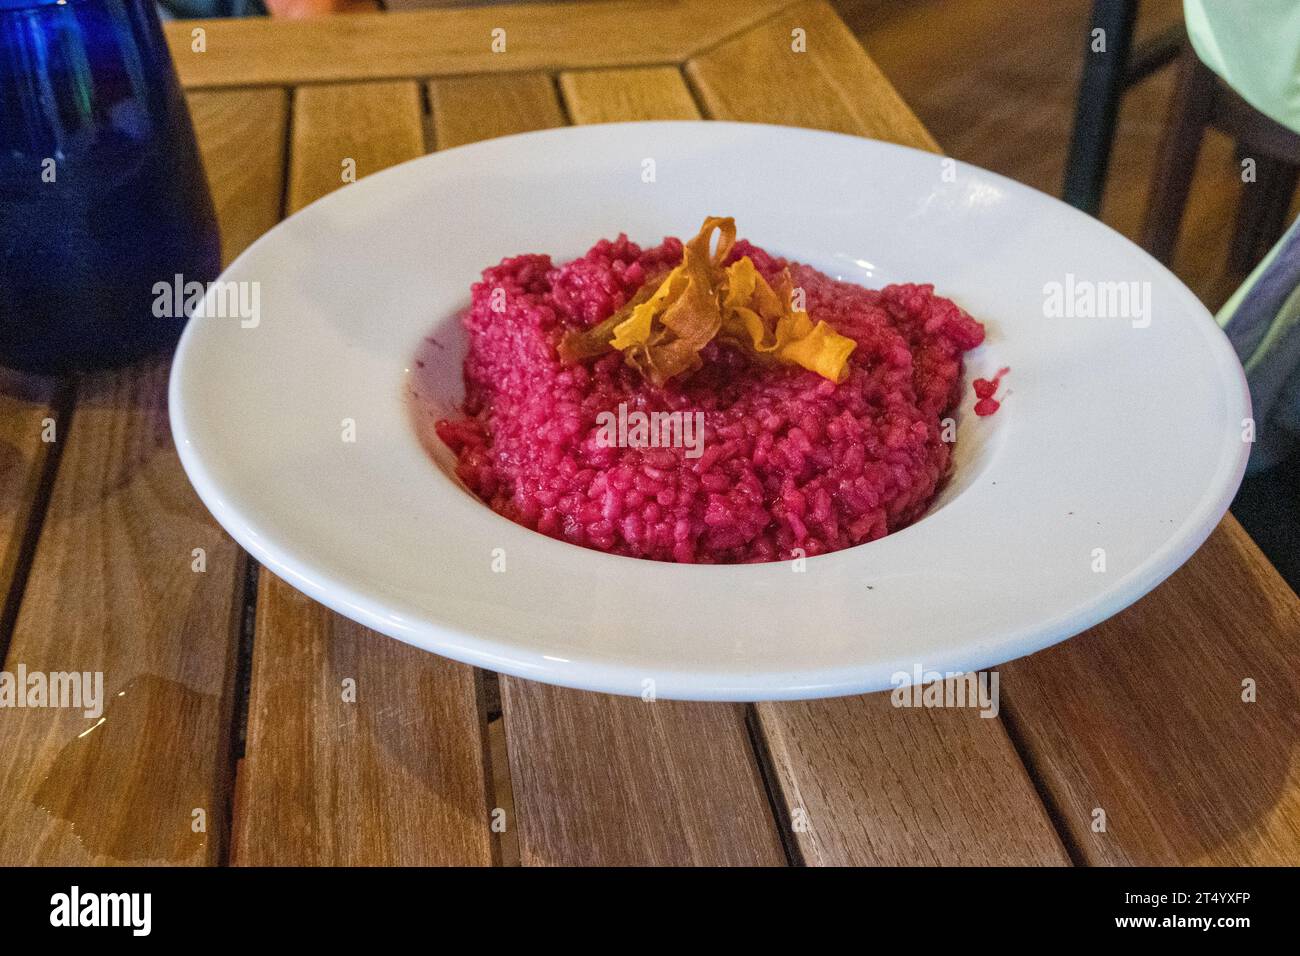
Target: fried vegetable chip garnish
(663, 328)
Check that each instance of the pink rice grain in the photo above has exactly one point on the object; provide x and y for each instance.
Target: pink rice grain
(792, 463)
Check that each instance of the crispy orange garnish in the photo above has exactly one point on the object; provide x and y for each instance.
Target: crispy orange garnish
(661, 330)
(764, 322)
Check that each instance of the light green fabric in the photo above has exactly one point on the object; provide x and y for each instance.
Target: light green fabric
(1254, 46)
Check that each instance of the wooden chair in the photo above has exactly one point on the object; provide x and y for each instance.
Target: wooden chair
(1106, 77)
(1201, 99)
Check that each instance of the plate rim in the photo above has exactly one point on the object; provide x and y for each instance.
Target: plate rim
(596, 674)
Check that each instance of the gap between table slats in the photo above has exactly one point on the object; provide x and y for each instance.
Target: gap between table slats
(360, 749)
(34, 411)
(243, 136)
(133, 579)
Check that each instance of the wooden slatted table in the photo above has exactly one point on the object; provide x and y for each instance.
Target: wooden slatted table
(227, 738)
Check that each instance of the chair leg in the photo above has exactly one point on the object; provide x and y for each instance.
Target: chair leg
(1097, 107)
(1262, 214)
(1190, 111)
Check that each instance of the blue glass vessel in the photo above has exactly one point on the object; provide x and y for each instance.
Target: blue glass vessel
(102, 193)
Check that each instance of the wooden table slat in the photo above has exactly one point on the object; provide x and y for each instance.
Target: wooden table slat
(866, 783)
(361, 750)
(342, 133)
(469, 108)
(123, 524)
(635, 93)
(1143, 718)
(428, 43)
(760, 76)
(242, 137)
(114, 589)
(612, 781)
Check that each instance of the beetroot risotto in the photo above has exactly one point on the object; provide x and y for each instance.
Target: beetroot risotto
(703, 402)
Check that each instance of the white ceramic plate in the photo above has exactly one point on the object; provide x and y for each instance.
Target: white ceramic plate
(1119, 437)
